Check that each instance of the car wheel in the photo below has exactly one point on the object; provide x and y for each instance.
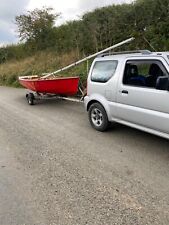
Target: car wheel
(98, 117)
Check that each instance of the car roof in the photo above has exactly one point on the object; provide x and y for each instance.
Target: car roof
(121, 55)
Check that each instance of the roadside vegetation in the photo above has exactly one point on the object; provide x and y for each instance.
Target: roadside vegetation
(45, 47)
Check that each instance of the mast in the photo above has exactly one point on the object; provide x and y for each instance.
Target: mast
(89, 57)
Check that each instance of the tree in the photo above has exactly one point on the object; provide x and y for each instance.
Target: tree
(36, 27)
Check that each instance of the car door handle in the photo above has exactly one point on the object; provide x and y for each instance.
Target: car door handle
(125, 92)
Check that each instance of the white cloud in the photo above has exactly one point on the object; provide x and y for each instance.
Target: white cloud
(68, 9)
(73, 9)
(58, 5)
(8, 10)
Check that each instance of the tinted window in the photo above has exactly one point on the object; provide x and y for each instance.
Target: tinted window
(103, 71)
(143, 73)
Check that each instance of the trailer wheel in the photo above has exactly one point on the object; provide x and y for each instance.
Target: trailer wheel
(30, 98)
(98, 117)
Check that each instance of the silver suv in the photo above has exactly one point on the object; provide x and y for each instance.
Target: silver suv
(131, 89)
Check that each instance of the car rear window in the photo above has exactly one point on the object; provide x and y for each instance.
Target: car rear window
(103, 71)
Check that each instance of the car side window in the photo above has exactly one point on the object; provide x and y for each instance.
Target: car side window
(143, 73)
(103, 71)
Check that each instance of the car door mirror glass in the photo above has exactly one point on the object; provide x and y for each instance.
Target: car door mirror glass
(162, 83)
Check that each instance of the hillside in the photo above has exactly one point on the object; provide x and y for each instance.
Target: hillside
(42, 62)
(147, 20)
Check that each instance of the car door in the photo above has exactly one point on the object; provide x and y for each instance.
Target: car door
(141, 103)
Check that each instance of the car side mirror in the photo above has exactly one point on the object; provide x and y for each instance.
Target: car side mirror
(162, 83)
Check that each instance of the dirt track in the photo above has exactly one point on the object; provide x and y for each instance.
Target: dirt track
(55, 169)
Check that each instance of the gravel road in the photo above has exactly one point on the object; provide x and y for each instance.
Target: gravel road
(56, 170)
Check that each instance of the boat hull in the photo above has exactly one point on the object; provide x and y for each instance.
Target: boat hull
(60, 86)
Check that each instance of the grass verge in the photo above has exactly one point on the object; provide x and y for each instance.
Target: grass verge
(43, 62)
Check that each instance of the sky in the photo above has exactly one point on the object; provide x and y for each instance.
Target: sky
(69, 10)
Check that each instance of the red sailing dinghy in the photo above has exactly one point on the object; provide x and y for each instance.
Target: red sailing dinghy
(59, 85)
(50, 87)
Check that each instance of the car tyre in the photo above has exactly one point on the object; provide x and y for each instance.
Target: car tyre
(98, 117)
